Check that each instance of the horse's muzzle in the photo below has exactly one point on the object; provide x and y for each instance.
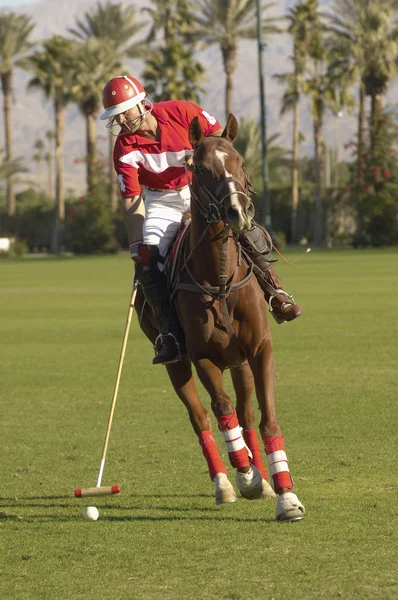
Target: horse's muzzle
(240, 218)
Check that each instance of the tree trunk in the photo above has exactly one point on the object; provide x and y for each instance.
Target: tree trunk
(318, 206)
(91, 152)
(6, 81)
(50, 177)
(376, 113)
(59, 175)
(360, 159)
(228, 96)
(229, 59)
(295, 171)
(113, 190)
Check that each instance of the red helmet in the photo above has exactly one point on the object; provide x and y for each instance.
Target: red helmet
(120, 94)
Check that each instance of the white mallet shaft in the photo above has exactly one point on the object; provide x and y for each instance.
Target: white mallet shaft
(114, 489)
(116, 388)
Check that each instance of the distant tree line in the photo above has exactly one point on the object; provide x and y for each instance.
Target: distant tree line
(340, 57)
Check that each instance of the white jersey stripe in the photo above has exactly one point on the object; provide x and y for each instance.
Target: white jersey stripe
(155, 163)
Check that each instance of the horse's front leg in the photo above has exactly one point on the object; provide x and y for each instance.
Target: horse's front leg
(184, 385)
(289, 508)
(248, 477)
(243, 382)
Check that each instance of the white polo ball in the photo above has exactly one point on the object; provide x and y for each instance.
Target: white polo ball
(91, 513)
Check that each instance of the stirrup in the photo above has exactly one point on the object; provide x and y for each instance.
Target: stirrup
(158, 344)
(279, 318)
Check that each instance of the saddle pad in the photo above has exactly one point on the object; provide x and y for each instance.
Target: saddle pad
(177, 246)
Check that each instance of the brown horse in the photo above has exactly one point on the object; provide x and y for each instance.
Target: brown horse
(224, 316)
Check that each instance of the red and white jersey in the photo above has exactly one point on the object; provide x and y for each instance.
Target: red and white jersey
(158, 164)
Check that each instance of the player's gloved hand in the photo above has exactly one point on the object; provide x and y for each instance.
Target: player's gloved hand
(140, 252)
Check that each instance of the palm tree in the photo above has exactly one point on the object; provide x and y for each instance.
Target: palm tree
(15, 31)
(325, 88)
(301, 19)
(171, 71)
(14, 167)
(119, 25)
(115, 23)
(225, 23)
(248, 145)
(365, 44)
(51, 74)
(94, 63)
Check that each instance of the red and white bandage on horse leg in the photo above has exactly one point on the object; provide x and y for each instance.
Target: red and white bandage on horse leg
(277, 462)
(249, 483)
(251, 439)
(289, 507)
(235, 444)
(224, 491)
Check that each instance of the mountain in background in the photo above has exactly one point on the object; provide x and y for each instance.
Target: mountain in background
(33, 115)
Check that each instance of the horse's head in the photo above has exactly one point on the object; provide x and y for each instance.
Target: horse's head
(220, 184)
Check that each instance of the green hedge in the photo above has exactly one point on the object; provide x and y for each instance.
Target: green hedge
(90, 227)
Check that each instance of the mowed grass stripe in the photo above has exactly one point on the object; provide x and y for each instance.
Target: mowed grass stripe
(62, 323)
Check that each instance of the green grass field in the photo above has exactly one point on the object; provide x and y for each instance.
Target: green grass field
(163, 537)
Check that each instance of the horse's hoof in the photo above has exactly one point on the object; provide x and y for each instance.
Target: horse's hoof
(250, 484)
(289, 508)
(267, 493)
(225, 493)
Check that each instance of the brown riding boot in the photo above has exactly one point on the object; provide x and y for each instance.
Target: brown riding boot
(281, 304)
(257, 244)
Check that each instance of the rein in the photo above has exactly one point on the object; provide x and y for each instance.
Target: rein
(214, 213)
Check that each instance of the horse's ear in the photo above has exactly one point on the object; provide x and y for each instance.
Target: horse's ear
(231, 129)
(195, 132)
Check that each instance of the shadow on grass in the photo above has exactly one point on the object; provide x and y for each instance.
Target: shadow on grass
(182, 513)
(149, 518)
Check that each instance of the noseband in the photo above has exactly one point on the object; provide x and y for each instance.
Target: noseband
(214, 212)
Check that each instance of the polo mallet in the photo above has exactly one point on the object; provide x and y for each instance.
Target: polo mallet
(99, 490)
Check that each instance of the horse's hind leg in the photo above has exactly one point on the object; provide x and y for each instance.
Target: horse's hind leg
(184, 385)
(243, 382)
(180, 375)
(289, 508)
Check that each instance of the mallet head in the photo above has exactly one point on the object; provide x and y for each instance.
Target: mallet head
(97, 491)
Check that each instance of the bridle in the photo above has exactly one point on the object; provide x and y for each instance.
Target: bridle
(214, 212)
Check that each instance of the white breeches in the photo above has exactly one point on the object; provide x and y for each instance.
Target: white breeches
(163, 213)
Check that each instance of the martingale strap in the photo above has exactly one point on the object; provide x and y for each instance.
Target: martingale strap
(209, 290)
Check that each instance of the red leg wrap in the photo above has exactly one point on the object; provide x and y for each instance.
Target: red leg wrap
(211, 454)
(277, 461)
(251, 440)
(230, 430)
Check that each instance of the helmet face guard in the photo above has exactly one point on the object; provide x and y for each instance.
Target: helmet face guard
(131, 125)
